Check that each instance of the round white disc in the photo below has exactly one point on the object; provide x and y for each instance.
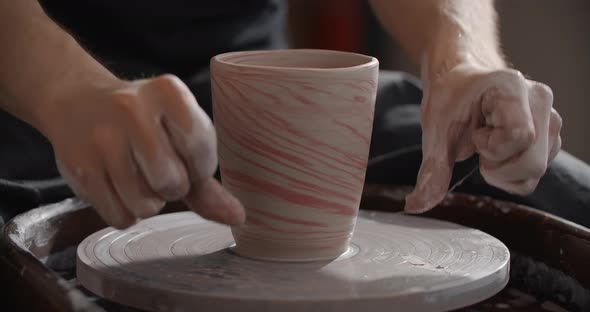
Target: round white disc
(182, 262)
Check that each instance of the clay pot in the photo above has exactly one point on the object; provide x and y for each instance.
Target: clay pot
(294, 128)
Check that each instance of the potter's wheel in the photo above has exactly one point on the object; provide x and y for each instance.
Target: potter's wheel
(181, 262)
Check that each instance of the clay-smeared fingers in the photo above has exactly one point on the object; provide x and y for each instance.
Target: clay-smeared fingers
(128, 182)
(517, 176)
(499, 144)
(101, 186)
(87, 176)
(156, 158)
(433, 179)
(521, 172)
(211, 201)
(192, 135)
(103, 197)
(509, 127)
(188, 127)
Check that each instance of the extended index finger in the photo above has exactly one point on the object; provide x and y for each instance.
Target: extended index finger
(434, 176)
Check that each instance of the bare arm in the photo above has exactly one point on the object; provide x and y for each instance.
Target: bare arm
(108, 134)
(443, 32)
(40, 61)
(472, 102)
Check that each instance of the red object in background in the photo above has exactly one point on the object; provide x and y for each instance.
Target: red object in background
(338, 25)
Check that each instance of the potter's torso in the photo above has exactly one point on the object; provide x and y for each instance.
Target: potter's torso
(137, 36)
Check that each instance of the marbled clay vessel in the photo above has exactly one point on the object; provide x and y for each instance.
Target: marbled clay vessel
(294, 128)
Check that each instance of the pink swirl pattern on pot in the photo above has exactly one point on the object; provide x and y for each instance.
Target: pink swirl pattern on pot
(294, 129)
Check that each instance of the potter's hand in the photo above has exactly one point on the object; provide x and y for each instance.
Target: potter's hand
(130, 147)
(505, 118)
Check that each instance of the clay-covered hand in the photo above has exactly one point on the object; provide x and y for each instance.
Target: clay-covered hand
(130, 147)
(504, 117)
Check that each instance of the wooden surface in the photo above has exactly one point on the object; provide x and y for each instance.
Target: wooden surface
(549, 256)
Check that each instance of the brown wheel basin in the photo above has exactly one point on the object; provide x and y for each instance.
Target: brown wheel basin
(550, 257)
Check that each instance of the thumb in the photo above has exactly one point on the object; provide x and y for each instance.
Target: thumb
(213, 202)
(433, 179)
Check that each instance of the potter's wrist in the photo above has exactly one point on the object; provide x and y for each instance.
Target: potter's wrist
(452, 49)
(439, 63)
(74, 89)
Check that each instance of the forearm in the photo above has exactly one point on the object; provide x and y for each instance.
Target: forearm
(443, 33)
(40, 63)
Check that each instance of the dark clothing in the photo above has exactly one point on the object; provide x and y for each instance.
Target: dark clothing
(143, 38)
(136, 38)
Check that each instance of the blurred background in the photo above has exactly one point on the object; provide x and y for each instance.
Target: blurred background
(548, 40)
